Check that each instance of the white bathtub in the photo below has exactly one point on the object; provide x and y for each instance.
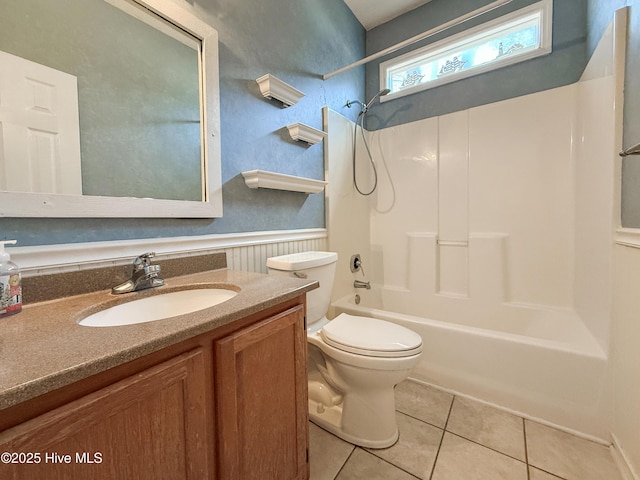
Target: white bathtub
(541, 363)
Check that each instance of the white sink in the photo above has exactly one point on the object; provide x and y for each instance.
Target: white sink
(158, 307)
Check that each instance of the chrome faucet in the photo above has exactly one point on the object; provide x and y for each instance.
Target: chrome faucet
(145, 275)
(361, 284)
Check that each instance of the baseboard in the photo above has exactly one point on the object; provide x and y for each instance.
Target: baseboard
(533, 418)
(624, 466)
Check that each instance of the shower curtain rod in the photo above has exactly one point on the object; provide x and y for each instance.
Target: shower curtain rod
(421, 36)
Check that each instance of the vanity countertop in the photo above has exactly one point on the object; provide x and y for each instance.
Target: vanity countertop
(43, 348)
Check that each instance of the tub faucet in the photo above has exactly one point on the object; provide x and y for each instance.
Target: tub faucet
(361, 284)
(145, 275)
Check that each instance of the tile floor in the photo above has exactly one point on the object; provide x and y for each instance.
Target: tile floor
(447, 437)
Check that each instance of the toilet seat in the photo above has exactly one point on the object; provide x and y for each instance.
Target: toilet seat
(370, 337)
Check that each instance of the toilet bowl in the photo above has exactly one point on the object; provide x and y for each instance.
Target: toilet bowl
(361, 375)
(354, 362)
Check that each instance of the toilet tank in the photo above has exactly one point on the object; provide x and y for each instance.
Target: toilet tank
(320, 266)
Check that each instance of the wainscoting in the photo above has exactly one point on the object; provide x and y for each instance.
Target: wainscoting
(245, 251)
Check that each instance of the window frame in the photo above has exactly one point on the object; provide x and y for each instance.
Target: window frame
(450, 45)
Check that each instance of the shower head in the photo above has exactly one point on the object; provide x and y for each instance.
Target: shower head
(381, 93)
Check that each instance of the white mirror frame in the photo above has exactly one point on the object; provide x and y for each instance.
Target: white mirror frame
(55, 205)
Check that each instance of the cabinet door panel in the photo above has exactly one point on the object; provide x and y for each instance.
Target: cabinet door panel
(150, 425)
(261, 381)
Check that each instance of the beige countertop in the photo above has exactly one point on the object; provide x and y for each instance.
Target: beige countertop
(43, 347)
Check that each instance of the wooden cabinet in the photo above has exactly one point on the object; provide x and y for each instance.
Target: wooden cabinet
(229, 404)
(150, 425)
(262, 400)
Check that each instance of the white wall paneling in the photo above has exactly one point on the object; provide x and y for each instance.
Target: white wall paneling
(245, 251)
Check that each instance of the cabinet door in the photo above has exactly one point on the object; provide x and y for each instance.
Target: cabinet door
(149, 426)
(261, 390)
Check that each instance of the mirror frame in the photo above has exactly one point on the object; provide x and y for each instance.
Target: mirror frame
(16, 204)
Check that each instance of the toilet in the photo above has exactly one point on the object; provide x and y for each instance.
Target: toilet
(354, 362)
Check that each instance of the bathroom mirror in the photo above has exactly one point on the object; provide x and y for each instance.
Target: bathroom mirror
(139, 80)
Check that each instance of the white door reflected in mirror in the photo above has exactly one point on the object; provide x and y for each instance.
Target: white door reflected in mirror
(149, 145)
(39, 128)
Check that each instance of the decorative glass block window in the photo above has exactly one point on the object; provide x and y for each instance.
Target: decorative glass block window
(512, 38)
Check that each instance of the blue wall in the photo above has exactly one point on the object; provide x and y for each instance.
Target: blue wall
(295, 41)
(563, 66)
(298, 42)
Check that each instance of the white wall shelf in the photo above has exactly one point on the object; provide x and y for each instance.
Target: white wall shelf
(274, 88)
(305, 133)
(280, 181)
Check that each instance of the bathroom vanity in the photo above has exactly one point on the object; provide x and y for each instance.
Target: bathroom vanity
(218, 393)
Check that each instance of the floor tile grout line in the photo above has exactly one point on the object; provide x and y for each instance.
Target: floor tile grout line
(526, 455)
(526, 448)
(446, 422)
(444, 430)
(388, 462)
(461, 436)
(345, 462)
(420, 420)
(373, 451)
(549, 473)
(487, 447)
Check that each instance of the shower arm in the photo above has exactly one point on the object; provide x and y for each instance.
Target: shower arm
(366, 106)
(421, 36)
(635, 150)
(381, 93)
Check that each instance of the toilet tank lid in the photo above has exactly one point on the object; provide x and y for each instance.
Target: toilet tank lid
(302, 260)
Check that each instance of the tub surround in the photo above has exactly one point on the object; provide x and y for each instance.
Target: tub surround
(44, 348)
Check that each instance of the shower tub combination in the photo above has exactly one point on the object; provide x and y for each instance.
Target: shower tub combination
(500, 261)
(541, 363)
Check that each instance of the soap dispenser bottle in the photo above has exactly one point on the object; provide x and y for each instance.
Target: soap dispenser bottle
(10, 283)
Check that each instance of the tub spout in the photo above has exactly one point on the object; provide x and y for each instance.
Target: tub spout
(361, 284)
